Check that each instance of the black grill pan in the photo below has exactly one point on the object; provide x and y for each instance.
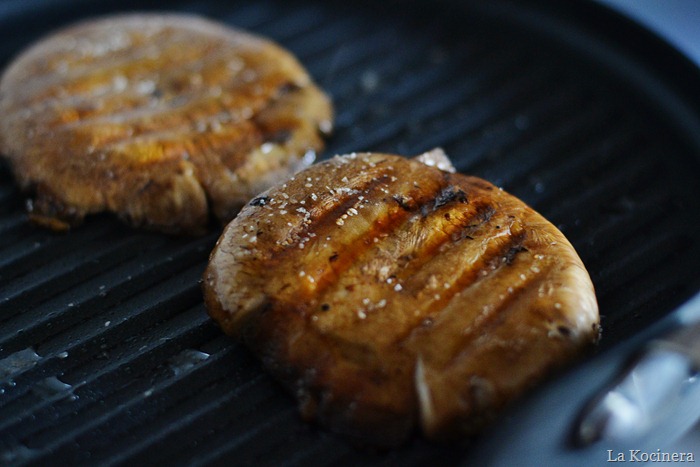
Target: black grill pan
(107, 356)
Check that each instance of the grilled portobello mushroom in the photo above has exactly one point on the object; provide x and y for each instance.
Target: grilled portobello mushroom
(390, 294)
(164, 119)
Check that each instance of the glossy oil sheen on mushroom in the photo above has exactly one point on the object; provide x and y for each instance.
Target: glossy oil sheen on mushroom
(166, 120)
(391, 294)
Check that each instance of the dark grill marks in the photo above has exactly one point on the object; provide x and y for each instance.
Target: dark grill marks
(385, 219)
(90, 79)
(324, 218)
(466, 329)
(490, 324)
(346, 255)
(360, 251)
(489, 263)
(442, 216)
(402, 202)
(448, 195)
(115, 99)
(446, 227)
(492, 259)
(259, 201)
(444, 220)
(174, 123)
(525, 282)
(168, 119)
(509, 257)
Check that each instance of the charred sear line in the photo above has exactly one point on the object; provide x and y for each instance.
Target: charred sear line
(173, 90)
(491, 261)
(385, 226)
(449, 195)
(429, 204)
(501, 310)
(404, 203)
(287, 88)
(259, 201)
(98, 76)
(280, 136)
(347, 258)
(467, 228)
(508, 252)
(452, 233)
(322, 220)
(509, 257)
(484, 213)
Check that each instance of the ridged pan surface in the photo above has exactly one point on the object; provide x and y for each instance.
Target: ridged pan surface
(107, 356)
